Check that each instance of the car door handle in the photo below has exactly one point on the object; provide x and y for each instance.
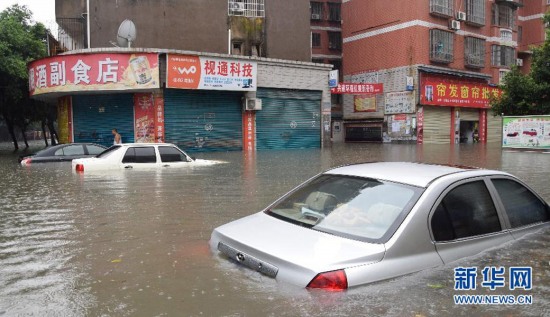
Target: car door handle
(128, 166)
(166, 165)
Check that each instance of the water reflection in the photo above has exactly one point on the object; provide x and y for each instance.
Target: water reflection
(135, 242)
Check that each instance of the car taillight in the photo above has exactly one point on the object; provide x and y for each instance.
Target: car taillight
(27, 161)
(332, 281)
(79, 167)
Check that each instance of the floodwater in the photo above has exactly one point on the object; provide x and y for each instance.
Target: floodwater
(135, 243)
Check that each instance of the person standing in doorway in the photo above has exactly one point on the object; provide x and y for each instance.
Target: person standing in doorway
(118, 138)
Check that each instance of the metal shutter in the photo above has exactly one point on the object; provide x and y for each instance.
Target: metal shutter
(494, 128)
(437, 125)
(289, 119)
(469, 114)
(94, 116)
(203, 120)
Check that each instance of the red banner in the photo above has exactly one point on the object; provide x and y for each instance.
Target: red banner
(88, 72)
(443, 91)
(357, 88)
(148, 118)
(249, 130)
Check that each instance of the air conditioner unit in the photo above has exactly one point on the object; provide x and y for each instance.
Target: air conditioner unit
(519, 62)
(454, 25)
(236, 6)
(461, 16)
(315, 16)
(253, 104)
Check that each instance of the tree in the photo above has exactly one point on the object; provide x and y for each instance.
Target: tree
(21, 41)
(528, 94)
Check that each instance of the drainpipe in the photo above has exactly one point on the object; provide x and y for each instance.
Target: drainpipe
(88, 22)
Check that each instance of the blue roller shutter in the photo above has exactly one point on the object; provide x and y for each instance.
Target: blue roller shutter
(289, 119)
(95, 116)
(202, 121)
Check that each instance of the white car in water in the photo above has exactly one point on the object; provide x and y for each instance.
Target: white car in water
(364, 223)
(138, 156)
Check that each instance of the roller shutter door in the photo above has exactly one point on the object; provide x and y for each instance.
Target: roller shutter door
(469, 114)
(203, 121)
(289, 119)
(437, 125)
(494, 128)
(95, 116)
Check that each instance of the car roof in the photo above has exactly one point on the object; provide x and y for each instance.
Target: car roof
(416, 174)
(145, 144)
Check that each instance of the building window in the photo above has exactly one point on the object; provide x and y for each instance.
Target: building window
(334, 12)
(502, 55)
(316, 10)
(441, 7)
(474, 55)
(246, 8)
(506, 35)
(315, 39)
(237, 48)
(502, 15)
(335, 40)
(475, 11)
(441, 46)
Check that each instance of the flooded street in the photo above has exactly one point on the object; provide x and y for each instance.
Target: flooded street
(135, 243)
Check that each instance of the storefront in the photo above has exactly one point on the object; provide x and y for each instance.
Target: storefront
(454, 109)
(199, 102)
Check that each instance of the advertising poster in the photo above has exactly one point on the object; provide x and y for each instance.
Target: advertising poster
(144, 118)
(526, 132)
(64, 119)
(364, 104)
(442, 91)
(249, 130)
(159, 118)
(90, 72)
(200, 72)
(420, 126)
(399, 102)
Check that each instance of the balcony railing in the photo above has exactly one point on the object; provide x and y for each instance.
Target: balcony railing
(72, 33)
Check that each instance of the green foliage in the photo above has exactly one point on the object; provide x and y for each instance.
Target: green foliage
(528, 94)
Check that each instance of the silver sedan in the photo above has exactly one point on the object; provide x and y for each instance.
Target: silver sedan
(363, 223)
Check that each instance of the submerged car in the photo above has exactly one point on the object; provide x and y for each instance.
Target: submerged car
(364, 223)
(62, 153)
(138, 156)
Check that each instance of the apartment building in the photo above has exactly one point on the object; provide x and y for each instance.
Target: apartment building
(439, 62)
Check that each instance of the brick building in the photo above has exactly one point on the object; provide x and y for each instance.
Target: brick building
(439, 61)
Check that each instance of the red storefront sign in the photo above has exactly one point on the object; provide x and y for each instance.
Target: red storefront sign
(89, 72)
(446, 91)
(358, 88)
(249, 130)
(148, 118)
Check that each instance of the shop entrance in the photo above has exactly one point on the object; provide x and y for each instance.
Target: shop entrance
(469, 131)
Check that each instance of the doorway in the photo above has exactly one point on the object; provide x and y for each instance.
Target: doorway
(469, 131)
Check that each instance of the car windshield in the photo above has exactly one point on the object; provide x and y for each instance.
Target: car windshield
(108, 151)
(352, 207)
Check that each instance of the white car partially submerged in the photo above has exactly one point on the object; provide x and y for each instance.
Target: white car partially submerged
(138, 156)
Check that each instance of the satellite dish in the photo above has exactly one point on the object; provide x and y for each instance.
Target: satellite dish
(126, 33)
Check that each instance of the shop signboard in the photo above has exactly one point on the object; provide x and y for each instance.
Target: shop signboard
(531, 132)
(94, 72)
(444, 91)
(203, 72)
(358, 89)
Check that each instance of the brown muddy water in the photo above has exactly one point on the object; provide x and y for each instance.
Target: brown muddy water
(135, 243)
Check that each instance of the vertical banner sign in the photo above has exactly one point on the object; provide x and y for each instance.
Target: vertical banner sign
(483, 125)
(420, 126)
(159, 117)
(144, 118)
(249, 131)
(333, 78)
(64, 119)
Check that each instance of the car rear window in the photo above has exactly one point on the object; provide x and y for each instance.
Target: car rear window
(94, 149)
(109, 151)
(357, 208)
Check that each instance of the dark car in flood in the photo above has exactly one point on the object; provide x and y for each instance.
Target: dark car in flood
(63, 153)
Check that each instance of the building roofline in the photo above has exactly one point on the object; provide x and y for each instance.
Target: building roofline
(454, 72)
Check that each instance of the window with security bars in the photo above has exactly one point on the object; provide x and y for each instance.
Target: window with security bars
(316, 10)
(474, 55)
(441, 46)
(502, 55)
(503, 16)
(475, 12)
(315, 39)
(334, 12)
(441, 7)
(335, 40)
(246, 8)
